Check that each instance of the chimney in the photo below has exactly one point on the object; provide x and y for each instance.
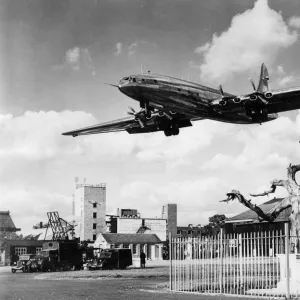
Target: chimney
(118, 212)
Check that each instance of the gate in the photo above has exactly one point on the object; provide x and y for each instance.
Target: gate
(250, 264)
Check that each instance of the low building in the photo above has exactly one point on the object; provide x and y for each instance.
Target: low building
(247, 221)
(12, 249)
(137, 242)
(189, 231)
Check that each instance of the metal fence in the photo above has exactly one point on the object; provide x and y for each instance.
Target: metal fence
(250, 264)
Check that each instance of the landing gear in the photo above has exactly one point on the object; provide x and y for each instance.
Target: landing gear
(171, 131)
(147, 110)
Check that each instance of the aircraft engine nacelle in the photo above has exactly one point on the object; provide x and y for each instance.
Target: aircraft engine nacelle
(253, 97)
(268, 94)
(222, 102)
(236, 100)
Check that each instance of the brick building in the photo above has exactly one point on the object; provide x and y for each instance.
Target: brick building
(90, 206)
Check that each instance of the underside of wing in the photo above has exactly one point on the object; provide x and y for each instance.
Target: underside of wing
(167, 123)
(112, 126)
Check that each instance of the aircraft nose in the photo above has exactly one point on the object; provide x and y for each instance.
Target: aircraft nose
(127, 89)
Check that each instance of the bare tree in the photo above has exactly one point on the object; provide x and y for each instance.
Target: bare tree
(292, 200)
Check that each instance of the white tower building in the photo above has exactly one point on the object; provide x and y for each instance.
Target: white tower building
(90, 207)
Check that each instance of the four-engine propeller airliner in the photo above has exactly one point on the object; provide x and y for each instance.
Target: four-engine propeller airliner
(168, 104)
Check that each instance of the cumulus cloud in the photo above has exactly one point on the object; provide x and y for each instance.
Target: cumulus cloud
(253, 37)
(194, 169)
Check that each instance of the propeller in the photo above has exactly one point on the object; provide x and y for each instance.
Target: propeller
(256, 93)
(137, 115)
(253, 84)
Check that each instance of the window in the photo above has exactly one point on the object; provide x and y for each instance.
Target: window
(94, 225)
(190, 231)
(178, 231)
(143, 80)
(20, 250)
(94, 237)
(38, 249)
(94, 215)
(126, 246)
(134, 249)
(133, 79)
(95, 204)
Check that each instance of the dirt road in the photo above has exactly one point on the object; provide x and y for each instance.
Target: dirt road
(23, 286)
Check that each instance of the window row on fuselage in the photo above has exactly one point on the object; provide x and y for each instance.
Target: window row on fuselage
(176, 86)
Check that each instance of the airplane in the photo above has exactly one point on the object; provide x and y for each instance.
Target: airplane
(168, 104)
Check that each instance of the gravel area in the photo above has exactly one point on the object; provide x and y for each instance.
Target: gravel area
(153, 271)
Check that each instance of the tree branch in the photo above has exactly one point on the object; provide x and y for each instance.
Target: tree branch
(275, 183)
(261, 215)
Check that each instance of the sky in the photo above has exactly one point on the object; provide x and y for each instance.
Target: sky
(55, 57)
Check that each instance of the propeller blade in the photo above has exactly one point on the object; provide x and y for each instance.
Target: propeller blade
(141, 123)
(130, 113)
(262, 99)
(221, 90)
(132, 110)
(253, 84)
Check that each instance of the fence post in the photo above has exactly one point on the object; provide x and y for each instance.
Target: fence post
(287, 257)
(170, 258)
(221, 260)
(241, 259)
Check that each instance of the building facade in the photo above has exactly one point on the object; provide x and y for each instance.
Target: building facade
(12, 249)
(129, 221)
(150, 244)
(169, 213)
(90, 207)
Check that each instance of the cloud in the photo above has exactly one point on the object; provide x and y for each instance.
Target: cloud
(255, 36)
(286, 81)
(294, 22)
(77, 59)
(192, 197)
(118, 49)
(132, 49)
(140, 45)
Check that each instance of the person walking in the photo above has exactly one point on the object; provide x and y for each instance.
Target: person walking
(143, 259)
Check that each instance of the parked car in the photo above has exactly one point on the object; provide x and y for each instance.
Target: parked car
(26, 263)
(111, 259)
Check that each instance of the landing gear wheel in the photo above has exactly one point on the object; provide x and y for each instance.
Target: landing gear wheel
(171, 131)
(168, 132)
(175, 131)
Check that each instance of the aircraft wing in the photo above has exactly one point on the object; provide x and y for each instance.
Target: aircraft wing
(132, 125)
(112, 126)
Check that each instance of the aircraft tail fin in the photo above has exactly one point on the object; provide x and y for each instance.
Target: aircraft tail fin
(263, 79)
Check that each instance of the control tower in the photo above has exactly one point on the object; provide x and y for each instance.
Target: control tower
(90, 206)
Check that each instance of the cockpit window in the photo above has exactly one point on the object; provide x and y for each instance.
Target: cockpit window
(133, 79)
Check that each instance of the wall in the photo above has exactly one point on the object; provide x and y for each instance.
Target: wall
(169, 212)
(132, 225)
(85, 196)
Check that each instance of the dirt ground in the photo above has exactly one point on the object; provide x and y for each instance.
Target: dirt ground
(133, 283)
